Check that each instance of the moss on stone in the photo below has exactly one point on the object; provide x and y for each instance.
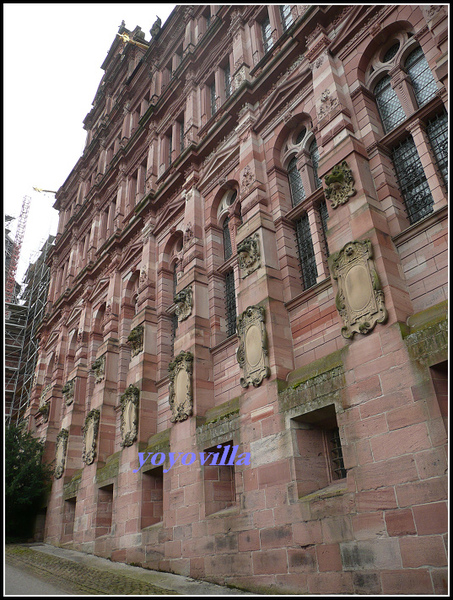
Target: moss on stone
(110, 469)
(314, 369)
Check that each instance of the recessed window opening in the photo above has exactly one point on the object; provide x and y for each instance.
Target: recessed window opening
(152, 496)
(219, 484)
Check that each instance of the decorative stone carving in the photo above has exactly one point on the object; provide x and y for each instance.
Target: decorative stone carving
(249, 257)
(129, 415)
(98, 368)
(340, 184)
(90, 432)
(68, 392)
(135, 340)
(180, 398)
(184, 303)
(247, 178)
(252, 351)
(327, 104)
(360, 299)
(60, 452)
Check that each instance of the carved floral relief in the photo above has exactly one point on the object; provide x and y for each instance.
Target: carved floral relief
(340, 184)
(135, 340)
(360, 299)
(129, 415)
(249, 257)
(98, 368)
(90, 432)
(180, 393)
(68, 392)
(252, 351)
(184, 303)
(60, 452)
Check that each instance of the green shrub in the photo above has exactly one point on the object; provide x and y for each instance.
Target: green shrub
(26, 480)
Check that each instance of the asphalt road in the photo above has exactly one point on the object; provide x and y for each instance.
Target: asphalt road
(19, 582)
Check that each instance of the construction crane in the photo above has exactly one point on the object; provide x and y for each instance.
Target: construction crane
(22, 222)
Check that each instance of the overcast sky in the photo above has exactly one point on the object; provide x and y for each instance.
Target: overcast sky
(52, 57)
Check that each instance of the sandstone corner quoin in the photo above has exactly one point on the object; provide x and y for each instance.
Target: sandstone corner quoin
(252, 253)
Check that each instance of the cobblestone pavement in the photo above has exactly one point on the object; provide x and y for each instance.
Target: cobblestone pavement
(84, 574)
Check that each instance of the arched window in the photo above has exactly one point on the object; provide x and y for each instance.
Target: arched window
(423, 82)
(314, 155)
(295, 182)
(389, 106)
(227, 248)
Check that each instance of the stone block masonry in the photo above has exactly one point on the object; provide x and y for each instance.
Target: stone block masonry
(248, 304)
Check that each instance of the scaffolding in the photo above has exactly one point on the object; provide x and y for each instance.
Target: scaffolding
(21, 340)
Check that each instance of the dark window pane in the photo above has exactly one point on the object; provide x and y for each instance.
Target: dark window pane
(437, 130)
(314, 154)
(306, 252)
(230, 303)
(227, 81)
(267, 35)
(295, 183)
(412, 180)
(286, 16)
(227, 249)
(391, 52)
(323, 215)
(390, 109)
(423, 82)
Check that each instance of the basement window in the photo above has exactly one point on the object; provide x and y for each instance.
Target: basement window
(152, 497)
(219, 487)
(69, 509)
(318, 455)
(104, 512)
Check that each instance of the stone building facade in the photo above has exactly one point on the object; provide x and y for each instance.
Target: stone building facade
(252, 253)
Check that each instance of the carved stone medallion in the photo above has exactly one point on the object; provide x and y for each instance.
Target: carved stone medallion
(60, 452)
(135, 340)
(252, 351)
(249, 258)
(180, 398)
(360, 299)
(340, 184)
(129, 415)
(98, 368)
(184, 303)
(90, 432)
(68, 392)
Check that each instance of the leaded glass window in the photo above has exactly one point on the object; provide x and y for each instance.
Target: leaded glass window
(230, 303)
(227, 81)
(306, 252)
(266, 29)
(212, 98)
(314, 155)
(391, 52)
(437, 130)
(295, 183)
(227, 248)
(174, 327)
(170, 147)
(323, 216)
(389, 106)
(181, 136)
(422, 79)
(286, 16)
(412, 180)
